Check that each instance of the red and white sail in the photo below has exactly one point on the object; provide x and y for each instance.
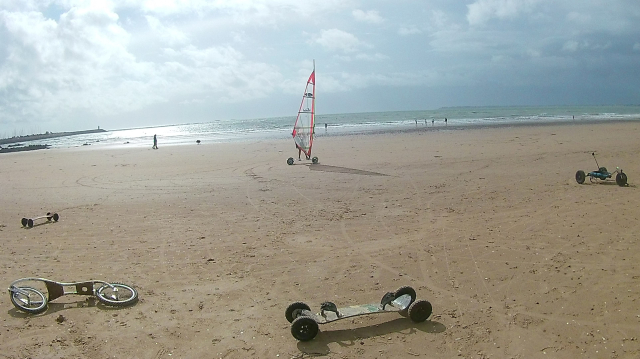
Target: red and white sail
(304, 127)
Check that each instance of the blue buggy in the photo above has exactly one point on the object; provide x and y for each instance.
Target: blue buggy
(602, 174)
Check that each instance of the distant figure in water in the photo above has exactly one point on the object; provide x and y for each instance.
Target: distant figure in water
(433, 122)
(416, 122)
(325, 126)
(445, 121)
(155, 142)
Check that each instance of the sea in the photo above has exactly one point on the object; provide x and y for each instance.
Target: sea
(262, 129)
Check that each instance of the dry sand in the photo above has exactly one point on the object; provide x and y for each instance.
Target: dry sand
(518, 260)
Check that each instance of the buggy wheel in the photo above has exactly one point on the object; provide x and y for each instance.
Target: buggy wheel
(403, 291)
(420, 311)
(28, 299)
(304, 328)
(117, 295)
(24, 222)
(314, 160)
(621, 179)
(290, 161)
(56, 217)
(580, 176)
(294, 310)
(30, 223)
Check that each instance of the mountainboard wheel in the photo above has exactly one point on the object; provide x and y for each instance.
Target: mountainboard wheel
(29, 300)
(119, 296)
(304, 328)
(314, 160)
(580, 176)
(621, 179)
(419, 311)
(24, 222)
(402, 291)
(294, 309)
(290, 161)
(30, 223)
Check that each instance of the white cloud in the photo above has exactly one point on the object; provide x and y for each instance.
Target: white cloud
(168, 34)
(482, 11)
(371, 16)
(338, 40)
(241, 11)
(210, 57)
(408, 30)
(374, 57)
(573, 46)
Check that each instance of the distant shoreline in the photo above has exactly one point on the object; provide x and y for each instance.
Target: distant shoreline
(455, 126)
(43, 136)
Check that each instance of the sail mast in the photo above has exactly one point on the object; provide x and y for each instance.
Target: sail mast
(313, 108)
(304, 127)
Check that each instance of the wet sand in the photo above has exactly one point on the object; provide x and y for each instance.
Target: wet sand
(489, 225)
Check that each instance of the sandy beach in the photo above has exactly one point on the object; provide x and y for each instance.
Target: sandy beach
(489, 225)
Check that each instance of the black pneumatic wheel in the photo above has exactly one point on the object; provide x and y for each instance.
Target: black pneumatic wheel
(30, 223)
(56, 217)
(24, 222)
(621, 179)
(304, 328)
(580, 176)
(403, 291)
(294, 309)
(117, 295)
(420, 311)
(290, 161)
(30, 300)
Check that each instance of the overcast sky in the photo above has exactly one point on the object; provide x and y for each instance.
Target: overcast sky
(72, 64)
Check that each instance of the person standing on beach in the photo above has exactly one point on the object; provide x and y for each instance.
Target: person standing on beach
(445, 121)
(155, 142)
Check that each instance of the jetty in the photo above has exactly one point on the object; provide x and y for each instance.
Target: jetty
(15, 143)
(44, 136)
(23, 148)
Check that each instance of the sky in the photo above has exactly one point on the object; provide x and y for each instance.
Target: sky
(69, 65)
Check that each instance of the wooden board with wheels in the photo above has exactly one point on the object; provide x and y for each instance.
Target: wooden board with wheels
(304, 322)
(29, 222)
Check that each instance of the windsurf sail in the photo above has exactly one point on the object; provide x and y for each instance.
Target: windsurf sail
(304, 127)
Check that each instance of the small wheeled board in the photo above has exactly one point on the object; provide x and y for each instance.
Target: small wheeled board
(27, 298)
(304, 322)
(28, 222)
(291, 161)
